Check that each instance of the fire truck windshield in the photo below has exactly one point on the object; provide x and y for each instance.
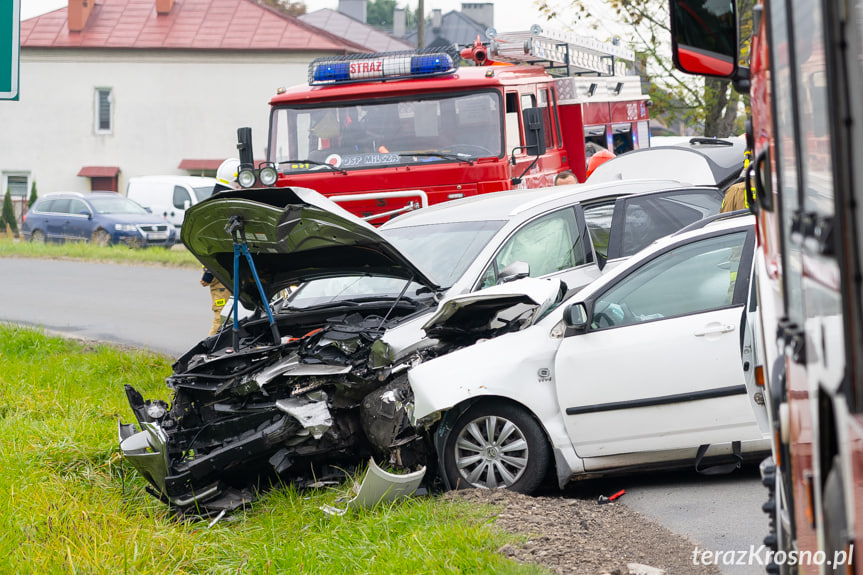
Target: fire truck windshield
(375, 134)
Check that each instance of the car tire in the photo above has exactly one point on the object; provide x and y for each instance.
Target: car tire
(100, 238)
(37, 237)
(496, 445)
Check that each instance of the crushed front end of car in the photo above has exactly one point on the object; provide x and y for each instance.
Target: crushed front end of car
(307, 388)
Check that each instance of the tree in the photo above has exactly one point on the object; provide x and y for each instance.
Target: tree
(288, 7)
(33, 195)
(676, 97)
(379, 13)
(8, 218)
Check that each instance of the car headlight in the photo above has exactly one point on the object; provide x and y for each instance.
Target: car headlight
(125, 227)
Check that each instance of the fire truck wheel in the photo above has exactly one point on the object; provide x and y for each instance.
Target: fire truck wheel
(496, 444)
(835, 524)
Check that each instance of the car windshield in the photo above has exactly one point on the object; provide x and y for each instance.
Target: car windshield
(116, 205)
(443, 251)
(369, 134)
(203, 192)
(328, 291)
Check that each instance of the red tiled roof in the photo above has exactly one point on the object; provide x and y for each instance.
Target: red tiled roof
(191, 24)
(99, 171)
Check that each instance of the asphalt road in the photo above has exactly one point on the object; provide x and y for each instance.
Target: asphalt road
(166, 310)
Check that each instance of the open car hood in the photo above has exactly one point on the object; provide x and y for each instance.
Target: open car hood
(699, 164)
(294, 235)
(494, 310)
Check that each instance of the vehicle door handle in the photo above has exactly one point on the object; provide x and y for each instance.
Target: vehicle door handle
(714, 329)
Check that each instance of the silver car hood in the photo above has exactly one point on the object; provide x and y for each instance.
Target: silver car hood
(294, 235)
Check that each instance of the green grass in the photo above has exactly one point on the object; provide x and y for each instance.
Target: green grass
(179, 256)
(69, 503)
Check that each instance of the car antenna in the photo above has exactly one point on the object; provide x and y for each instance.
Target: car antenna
(237, 228)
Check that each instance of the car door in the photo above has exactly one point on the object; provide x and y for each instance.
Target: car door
(659, 367)
(555, 244)
(56, 220)
(638, 220)
(79, 223)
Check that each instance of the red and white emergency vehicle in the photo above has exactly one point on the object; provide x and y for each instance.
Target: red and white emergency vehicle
(377, 132)
(806, 83)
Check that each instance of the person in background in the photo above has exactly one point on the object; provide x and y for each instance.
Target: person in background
(735, 194)
(219, 295)
(564, 178)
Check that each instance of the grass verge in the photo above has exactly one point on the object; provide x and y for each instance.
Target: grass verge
(179, 257)
(70, 504)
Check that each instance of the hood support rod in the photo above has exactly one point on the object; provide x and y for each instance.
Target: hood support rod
(237, 228)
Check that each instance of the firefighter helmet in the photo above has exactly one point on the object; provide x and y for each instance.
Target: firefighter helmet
(226, 175)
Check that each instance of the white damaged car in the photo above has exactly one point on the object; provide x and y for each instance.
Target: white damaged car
(651, 366)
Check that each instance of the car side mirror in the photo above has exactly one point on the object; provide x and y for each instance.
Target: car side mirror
(514, 271)
(534, 131)
(86, 213)
(149, 210)
(575, 317)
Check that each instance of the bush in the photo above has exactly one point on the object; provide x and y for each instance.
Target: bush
(8, 218)
(33, 196)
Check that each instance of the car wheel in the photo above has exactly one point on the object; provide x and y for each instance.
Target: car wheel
(496, 444)
(37, 237)
(100, 238)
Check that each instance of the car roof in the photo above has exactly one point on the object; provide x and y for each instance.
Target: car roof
(703, 161)
(513, 204)
(191, 180)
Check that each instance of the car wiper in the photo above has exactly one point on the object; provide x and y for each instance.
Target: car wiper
(326, 165)
(445, 155)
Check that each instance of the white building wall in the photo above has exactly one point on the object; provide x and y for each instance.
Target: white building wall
(166, 106)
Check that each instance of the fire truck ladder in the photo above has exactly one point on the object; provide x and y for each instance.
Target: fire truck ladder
(562, 53)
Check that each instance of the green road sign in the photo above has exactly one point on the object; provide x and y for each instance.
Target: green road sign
(10, 46)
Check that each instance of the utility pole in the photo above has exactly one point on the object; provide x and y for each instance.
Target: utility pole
(421, 25)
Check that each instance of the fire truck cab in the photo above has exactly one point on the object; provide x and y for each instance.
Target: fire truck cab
(381, 133)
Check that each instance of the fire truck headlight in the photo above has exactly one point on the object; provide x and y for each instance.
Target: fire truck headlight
(268, 175)
(246, 178)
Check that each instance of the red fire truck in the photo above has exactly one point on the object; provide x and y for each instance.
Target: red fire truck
(805, 79)
(379, 132)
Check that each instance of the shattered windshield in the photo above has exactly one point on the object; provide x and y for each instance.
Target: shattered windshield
(370, 134)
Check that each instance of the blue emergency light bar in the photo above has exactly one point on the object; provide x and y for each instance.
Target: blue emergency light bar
(380, 66)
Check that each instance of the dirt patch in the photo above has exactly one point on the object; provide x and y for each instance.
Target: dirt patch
(581, 537)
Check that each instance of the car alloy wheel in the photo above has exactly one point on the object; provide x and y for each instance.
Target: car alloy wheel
(100, 238)
(496, 445)
(37, 237)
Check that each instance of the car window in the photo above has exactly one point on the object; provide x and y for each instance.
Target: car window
(693, 278)
(203, 192)
(548, 244)
(598, 219)
(60, 206)
(649, 218)
(77, 207)
(116, 205)
(443, 251)
(181, 196)
(44, 206)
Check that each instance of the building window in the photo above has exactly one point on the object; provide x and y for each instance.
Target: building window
(103, 109)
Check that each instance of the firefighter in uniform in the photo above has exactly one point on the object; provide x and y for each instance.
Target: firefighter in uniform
(219, 295)
(735, 194)
(226, 176)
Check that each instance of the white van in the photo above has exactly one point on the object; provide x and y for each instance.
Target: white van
(169, 196)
